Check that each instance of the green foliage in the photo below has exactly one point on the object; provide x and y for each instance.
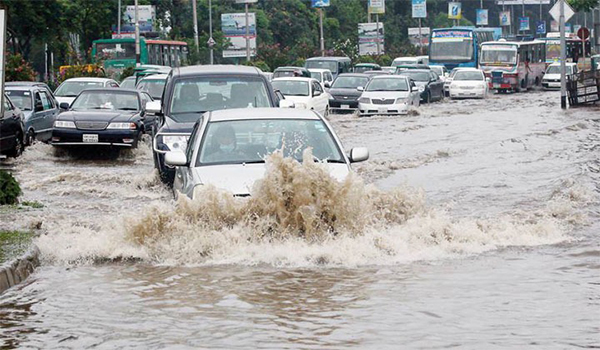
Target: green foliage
(258, 64)
(9, 188)
(87, 70)
(17, 69)
(127, 72)
(583, 5)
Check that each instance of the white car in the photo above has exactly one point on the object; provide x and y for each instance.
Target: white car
(410, 60)
(323, 76)
(448, 80)
(70, 88)
(469, 82)
(306, 93)
(551, 79)
(154, 85)
(441, 71)
(228, 148)
(388, 95)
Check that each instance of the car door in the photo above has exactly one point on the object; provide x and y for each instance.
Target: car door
(51, 110)
(36, 121)
(415, 95)
(320, 100)
(8, 126)
(149, 118)
(436, 86)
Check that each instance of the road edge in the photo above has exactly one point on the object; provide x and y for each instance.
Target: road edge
(17, 270)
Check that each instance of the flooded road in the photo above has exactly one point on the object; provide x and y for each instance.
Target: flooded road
(473, 225)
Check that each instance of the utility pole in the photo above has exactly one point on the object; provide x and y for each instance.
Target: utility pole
(420, 38)
(377, 39)
(247, 35)
(210, 30)
(119, 20)
(137, 35)
(322, 39)
(195, 15)
(563, 57)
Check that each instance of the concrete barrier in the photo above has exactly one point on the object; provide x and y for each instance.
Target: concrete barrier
(17, 270)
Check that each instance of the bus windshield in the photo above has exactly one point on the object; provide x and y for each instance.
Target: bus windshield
(451, 45)
(331, 65)
(492, 55)
(115, 50)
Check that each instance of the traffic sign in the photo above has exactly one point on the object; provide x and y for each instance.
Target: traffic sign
(540, 27)
(555, 11)
(583, 33)
(211, 42)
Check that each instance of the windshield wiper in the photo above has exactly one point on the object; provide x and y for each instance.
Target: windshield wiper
(128, 109)
(254, 162)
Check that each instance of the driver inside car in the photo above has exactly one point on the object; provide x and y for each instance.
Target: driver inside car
(224, 146)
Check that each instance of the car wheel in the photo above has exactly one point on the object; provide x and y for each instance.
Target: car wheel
(428, 98)
(326, 114)
(18, 149)
(167, 176)
(30, 139)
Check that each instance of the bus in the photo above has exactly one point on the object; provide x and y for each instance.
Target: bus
(513, 65)
(336, 65)
(457, 46)
(574, 48)
(118, 54)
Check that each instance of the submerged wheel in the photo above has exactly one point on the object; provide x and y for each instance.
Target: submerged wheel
(326, 113)
(18, 149)
(428, 97)
(30, 138)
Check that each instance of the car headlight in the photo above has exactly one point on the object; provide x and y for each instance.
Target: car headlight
(64, 124)
(364, 100)
(422, 88)
(401, 100)
(300, 105)
(122, 126)
(175, 142)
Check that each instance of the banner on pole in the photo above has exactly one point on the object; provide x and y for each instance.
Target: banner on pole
(454, 10)
(320, 3)
(540, 27)
(523, 2)
(413, 36)
(482, 17)
(523, 24)
(505, 18)
(377, 7)
(419, 8)
(146, 19)
(233, 26)
(367, 38)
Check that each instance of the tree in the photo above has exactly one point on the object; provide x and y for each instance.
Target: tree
(583, 5)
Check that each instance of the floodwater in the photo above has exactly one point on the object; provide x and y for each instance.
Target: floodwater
(473, 225)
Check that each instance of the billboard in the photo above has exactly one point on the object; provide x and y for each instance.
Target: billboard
(454, 10)
(377, 6)
(482, 17)
(245, 1)
(233, 26)
(523, 2)
(505, 18)
(319, 3)
(146, 18)
(540, 27)
(413, 36)
(523, 23)
(419, 8)
(367, 38)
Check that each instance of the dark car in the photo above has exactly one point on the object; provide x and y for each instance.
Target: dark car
(39, 108)
(429, 83)
(12, 130)
(282, 72)
(103, 117)
(364, 67)
(192, 91)
(345, 91)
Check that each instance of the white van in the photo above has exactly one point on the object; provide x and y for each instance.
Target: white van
(551, 78)
(410, 60)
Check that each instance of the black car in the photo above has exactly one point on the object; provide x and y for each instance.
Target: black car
(345, 91)
(103, 117)
(429, 83)
(12, 130)
(192, 91)
(282, 72)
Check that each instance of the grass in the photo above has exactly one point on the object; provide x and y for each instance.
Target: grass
(14, 244)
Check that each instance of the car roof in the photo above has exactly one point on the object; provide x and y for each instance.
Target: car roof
(416, 70)
(390, 76)
(25, 83)
(155, 77)
(566, 63)
(23, 88)
(470, 69)
(262, 113)
(109, 89)
(362, 75)
(319, 70)
(294, 78)
(329, 58)
(89, 79)
(289, 68)
(215, 69)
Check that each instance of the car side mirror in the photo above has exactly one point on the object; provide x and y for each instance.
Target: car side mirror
(64, 106)
(414, 88)
(360, 88)
(153, 107)
(287, 104)
(327, 85)
(358, 154)
(316, 93)
(175, 158)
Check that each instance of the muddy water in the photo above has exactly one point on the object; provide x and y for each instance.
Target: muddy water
(474, 225)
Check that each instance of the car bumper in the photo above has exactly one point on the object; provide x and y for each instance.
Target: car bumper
(549, 85)
(341, 105)
(75, 137)
(366, 109)
(467, 93)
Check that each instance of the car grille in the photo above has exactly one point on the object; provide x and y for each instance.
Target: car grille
(382, 101)
(468, 87)
(345, 98)
(91, 125)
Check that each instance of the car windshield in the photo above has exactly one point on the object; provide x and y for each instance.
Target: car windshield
(73, 88)
(551, 70)
(467, 75)
(250, 141)
(154, 87)
(416, 76)
(400, 62)
(349, 82)
(387, 84)
(452, 46)
(362, 69)
(117, 100)
(331, 65)
(21, 99)
(283, 74)
(200, 94)
(316, 75)
(128, 83)
(438, 69)
(504, 56)
(115, 50)
(292, 87)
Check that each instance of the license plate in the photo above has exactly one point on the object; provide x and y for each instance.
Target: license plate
(554, 84)
(497, 85)
(346, 106)
(382, 110)
(90, 138)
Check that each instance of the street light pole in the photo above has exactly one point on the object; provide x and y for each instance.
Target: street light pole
(210, 30)
(247, 35)
(563, 56)
(119, 20)
(137, 35)
(377, 39)
(322, 40)
(195, 17)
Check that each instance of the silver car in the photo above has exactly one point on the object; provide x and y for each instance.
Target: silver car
(388, 94)
(228, 148)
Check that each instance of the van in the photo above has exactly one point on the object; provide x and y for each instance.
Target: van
(336, 65)
(410, 60)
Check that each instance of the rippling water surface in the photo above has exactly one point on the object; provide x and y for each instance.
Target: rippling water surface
(473, 225)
